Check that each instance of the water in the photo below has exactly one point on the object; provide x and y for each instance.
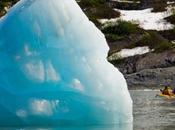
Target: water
(150, 113)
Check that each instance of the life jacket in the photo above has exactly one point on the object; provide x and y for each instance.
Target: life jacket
(166, 91)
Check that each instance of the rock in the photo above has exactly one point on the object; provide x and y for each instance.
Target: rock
(126, 42)
(148, 70)
(151, 78)
(147, 61)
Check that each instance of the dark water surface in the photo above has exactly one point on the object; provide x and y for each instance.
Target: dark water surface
(150, 113)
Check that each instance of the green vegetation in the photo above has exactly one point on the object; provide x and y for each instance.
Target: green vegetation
(113, 37)
(97, 9)
(164, 45)
(155, 41)
(91, 3)
(119, 30)
(149, 39)
(116, 62)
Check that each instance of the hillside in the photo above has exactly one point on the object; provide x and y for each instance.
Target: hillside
(141, 41)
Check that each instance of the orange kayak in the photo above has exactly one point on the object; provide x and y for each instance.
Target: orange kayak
(166, 96)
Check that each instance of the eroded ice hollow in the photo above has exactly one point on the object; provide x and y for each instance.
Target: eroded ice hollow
(54, 70)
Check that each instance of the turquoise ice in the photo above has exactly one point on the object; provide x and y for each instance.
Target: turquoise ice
(54, 70)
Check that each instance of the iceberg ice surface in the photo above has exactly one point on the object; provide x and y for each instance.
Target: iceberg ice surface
(54, 70)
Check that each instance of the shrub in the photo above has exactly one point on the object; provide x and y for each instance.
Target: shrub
(164, 45)
(121, 28)
(88, 3)
(98, 8)
(150, 39)
(113, 37)
(154, 41)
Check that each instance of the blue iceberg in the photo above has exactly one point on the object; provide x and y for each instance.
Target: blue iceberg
(54, 70)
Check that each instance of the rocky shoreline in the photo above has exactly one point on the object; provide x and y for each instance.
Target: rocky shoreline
(149, 70)
(151, 78)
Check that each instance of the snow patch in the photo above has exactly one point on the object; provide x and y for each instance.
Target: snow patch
(145, 18)
(170, 2)
(129, 52)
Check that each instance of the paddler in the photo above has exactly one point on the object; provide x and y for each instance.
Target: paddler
(166, 91)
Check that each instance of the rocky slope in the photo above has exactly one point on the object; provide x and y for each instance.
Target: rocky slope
(149, 70)
(154, 68)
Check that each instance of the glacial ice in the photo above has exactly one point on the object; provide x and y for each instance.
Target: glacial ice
(54, 70)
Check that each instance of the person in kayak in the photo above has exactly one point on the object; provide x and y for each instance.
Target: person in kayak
(166, 91)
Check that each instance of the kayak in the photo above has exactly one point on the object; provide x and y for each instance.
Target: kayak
(166, 96)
